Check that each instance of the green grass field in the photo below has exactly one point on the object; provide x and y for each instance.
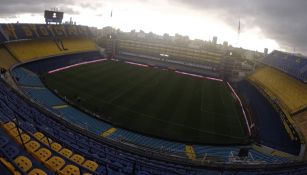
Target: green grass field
(155, 102)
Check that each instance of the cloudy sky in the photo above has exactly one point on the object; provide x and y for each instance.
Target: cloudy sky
(276, 24)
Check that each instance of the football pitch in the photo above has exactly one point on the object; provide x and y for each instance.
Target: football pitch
(154, 102)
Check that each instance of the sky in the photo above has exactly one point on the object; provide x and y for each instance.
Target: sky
(273, 24)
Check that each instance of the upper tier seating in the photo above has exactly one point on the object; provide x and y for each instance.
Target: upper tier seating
(27, 50)
(293, 65)
(291, 93)
(6, 59)
(35, 49)
(75, 45)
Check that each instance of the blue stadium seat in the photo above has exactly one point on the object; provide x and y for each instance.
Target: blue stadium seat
(3, 141)
(293, 65)
(10, 151)
(26, 77)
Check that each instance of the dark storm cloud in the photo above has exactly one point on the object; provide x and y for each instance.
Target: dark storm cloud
(9, 8)
(282, 20)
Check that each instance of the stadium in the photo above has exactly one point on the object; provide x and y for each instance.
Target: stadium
(71, 105)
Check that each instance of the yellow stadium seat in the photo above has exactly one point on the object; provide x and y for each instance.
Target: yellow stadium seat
(38, 135)
(28, 50)
(25, 138)
(45, 141)
(43, 154)
(32, 146)
(7, 164)
(37, 171)
(91, 165)
(23, 163)
(14, 132)
(35, 49)
(66, 152)
(9, 125)
(56, 147)
(77, 158)
(74, 45)
(70, 170)
(55, 163)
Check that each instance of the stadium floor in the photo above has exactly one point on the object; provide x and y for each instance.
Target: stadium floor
(155, 102)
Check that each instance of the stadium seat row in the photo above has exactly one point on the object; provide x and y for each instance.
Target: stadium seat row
(291, 64)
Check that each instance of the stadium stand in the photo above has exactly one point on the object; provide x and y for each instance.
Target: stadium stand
(2, 38)
(35, 49)
(293, 96)
(14, 157)
(6, 59)
(301, 122)
(109, 159)
(26, 77)
(46, 65)
(291, 64)
(77, 45)
(45, 151)
(43, 96)
(270, 127)
(206, 70)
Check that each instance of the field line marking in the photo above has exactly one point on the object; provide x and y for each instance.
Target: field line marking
(246, 121)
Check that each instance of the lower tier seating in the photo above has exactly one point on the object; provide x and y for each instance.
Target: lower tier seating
(269, 125)
(63, 140)
(16, 159)
(49, 152)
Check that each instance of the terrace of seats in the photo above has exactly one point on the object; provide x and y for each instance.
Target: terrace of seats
(53, 155)
(268, 123)
(77, 45)
(109, 159)
(293, 65)
(6, 59)
(14, 157)
(64, 143)
(291, 93)
(33, 49)
(46, 65)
